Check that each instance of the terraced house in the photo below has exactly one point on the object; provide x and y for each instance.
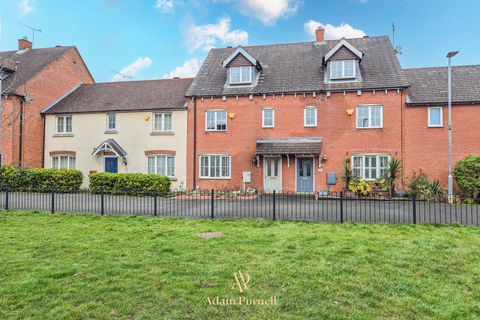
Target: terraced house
(120, 127)
(31, 79)
(288, 114)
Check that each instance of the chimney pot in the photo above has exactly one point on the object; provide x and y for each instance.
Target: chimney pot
(320, 32)
(24, 44)
(176, 77)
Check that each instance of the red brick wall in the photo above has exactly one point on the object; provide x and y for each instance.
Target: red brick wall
(44, 89)
(338, 130)
(10, 127)
(427, 148)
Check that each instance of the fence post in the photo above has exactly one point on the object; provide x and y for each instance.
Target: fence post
(155, 203)
(414, 209)
(213, 215)
(341, 206)
(6, 198)
(53, 199)
(102, 202)
(273, 204)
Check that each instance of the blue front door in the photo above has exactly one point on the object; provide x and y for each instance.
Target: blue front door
(111, 165)
(305, 174)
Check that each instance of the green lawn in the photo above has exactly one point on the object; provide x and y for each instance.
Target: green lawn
(66, 266)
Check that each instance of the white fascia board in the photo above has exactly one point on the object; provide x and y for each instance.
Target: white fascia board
(234, 54)
(345, 43)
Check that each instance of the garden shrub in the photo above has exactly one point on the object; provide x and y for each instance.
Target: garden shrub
(420, 184)
(467, 174)
(40, 179)
(129, 183)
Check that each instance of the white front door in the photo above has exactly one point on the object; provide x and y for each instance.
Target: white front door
(273, 173)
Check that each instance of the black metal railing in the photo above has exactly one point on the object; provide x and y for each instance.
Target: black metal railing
(228, 204)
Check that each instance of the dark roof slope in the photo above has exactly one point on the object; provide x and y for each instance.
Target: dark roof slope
(298, 67)
(124, 96)
(30, 64)
(430, 85)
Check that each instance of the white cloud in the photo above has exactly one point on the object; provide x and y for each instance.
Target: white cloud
(25, 8)
(331, 32)
(132, 69)
(164, 6)
(110, 4)
(206, 36)
(268, 11)
(188, 70)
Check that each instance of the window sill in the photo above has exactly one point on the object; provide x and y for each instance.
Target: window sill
(235, 83)
(370, 128)
(111, 132)
(436, 126)
(217, 178)
(63, 135)
(343, 78)
(268, 127)
(215, 130)
(310, 126)
(172, 178)
(166, 133)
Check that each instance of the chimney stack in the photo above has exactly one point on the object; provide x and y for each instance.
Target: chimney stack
(320, 34)
(24, 44)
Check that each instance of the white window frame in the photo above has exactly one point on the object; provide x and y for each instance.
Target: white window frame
(370, 106)
(209, 166)
(305, 116)
(216, 120)
(362, 156)
(108, 122)
(155, 156)
(59, 156)
(64, 124)
(162, 114)
(241, 70)
(263, 118)
(441, 118)
(343, 69)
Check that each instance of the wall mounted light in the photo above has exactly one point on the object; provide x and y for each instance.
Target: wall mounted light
(324, 157)
(350, 112)
(254, 160)
(231, 115)
(147, 117)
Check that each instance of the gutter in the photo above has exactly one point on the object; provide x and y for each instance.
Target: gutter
(43, 143)
(117, 110)
(411, 104)
(22, 103)
(194, 141)
(296, 91)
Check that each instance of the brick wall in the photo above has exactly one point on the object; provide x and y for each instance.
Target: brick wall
(44, 89)
(340, 136)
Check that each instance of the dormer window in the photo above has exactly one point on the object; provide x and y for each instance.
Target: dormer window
(342, 69)
(240, 75)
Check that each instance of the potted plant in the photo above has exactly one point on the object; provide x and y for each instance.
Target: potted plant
(392, 173)
(346, 175)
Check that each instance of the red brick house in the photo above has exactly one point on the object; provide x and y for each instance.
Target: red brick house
(30, 80)
(426, 118)
(288, 114)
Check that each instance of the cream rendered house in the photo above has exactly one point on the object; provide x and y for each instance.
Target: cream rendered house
(124, 127)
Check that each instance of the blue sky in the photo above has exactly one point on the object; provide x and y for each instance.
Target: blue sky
(154, 39)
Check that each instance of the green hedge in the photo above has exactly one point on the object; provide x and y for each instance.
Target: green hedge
(130, 183)
(40, 179)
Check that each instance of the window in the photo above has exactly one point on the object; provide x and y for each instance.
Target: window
(310, 117)
(342, 69)
(268, 118)
(240, 75)
(64, 124)
(370, 167)
(162, 165)
(215, 167)
(162, 122)
(111, 122)
(63, 162)
(369, 117)
(435, 117)
(216, 120)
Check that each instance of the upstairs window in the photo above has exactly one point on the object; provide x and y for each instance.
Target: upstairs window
(162, 122)
(64, 124)
(342, 69)
(369, 117)
(435, 117)
(240, 75)
(111, 122)
(310, 117)
(216, 120)
(268, 118)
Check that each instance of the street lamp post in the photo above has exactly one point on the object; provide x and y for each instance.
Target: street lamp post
(450, 178)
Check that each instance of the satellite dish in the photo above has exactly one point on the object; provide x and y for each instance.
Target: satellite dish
(398, 50)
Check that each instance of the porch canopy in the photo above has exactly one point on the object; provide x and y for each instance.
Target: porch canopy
(109, 145)
(289, 146)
